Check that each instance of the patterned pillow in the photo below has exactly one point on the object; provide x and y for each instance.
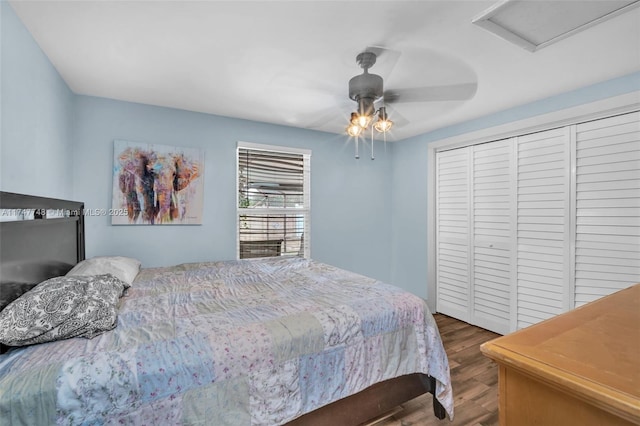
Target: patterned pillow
(60, 308)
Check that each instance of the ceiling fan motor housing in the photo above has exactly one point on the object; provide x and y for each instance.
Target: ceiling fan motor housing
(365, 89)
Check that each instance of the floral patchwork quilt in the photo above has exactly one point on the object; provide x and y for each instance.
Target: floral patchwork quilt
(248, 342)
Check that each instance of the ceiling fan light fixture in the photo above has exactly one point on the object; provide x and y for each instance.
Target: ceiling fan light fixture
(354, 129)
(362, 120)
(383, 124)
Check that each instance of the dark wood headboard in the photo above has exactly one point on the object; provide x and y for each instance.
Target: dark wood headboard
(47, 242)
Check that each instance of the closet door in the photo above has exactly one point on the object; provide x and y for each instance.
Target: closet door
(453, 237)
(492, 260)
(475, 262)
(536, 225)
(543, 228)
(607, 248)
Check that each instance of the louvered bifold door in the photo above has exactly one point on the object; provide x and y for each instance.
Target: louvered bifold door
(543, 228)
(452, 239)
(607, 256)
(492, 259)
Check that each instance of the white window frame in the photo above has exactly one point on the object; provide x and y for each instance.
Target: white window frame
(306, 210)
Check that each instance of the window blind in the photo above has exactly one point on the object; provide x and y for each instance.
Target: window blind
(273, 202)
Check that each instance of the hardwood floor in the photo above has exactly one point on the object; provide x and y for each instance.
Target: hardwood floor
(474, 379)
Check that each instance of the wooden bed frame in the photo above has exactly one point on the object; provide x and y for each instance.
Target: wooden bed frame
(34, 250)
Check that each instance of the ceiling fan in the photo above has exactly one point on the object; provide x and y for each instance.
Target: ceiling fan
(367, 90)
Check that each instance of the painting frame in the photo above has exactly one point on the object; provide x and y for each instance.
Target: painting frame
(156, 184)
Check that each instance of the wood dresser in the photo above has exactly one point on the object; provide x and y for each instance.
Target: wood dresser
(579, 368)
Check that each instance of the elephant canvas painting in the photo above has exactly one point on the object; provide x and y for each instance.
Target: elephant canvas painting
(157, 184)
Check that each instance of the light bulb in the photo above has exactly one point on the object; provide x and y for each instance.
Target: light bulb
(383, 126)
(363, 121)
(354, 130)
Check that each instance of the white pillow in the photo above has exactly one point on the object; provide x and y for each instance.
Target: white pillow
(125, 268)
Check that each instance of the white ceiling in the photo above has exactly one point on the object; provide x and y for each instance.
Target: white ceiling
(290, 62)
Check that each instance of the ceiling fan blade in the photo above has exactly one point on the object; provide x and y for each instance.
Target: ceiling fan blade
(322, 118)
(454, 92)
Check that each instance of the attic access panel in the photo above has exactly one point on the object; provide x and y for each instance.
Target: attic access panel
(533, 24)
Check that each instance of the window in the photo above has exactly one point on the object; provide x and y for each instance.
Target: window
(273, 201)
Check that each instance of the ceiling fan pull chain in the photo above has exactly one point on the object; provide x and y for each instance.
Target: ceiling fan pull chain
(357, 153)
(384, 138)
(372, 157)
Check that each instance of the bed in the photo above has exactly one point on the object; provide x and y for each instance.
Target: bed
(266, 341)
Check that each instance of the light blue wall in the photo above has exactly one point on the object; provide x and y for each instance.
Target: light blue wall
(57, 144)
(408, 217)
(409, 176)
(350, 199)
(36, 116)
(367, 216)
